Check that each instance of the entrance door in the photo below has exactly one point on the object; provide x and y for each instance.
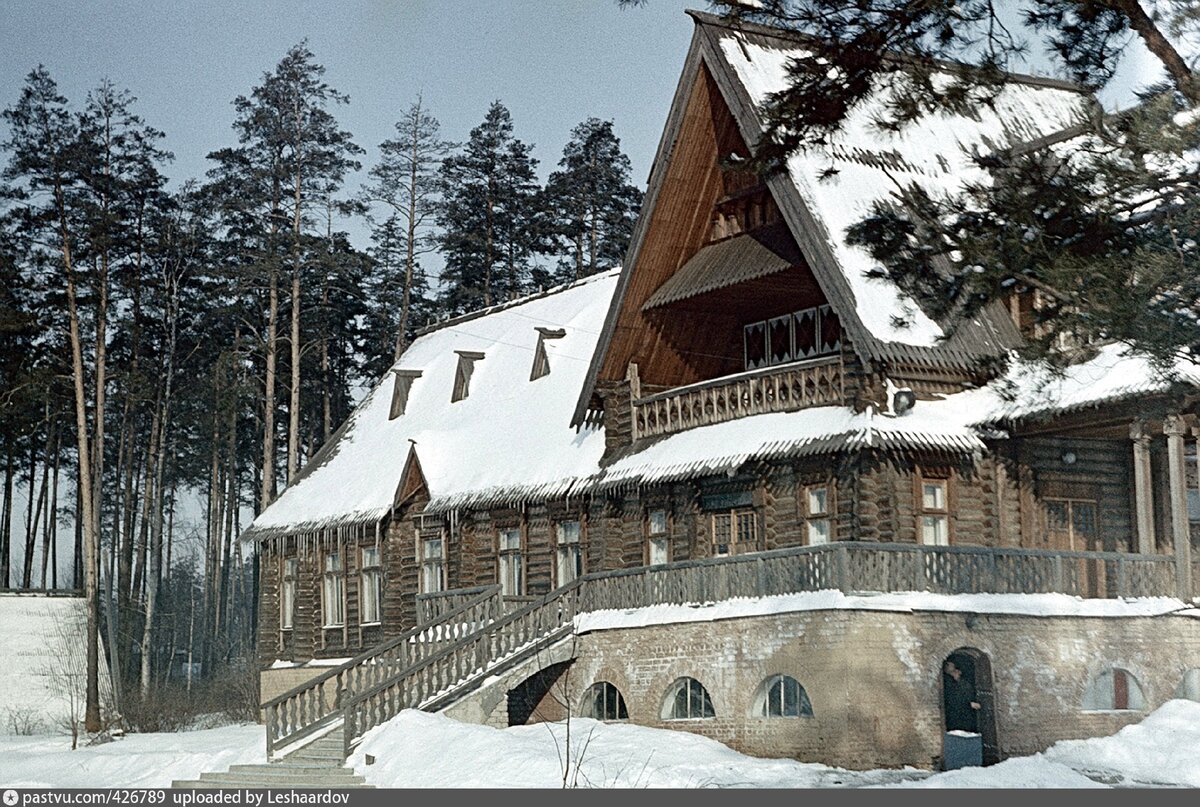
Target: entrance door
(968, 698)
(1071, 525)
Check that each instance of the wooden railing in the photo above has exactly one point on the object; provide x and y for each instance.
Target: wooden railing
(308, 708)
(434, 664)
(431, 607)
(461, 665)
(785, 388)
(860, 567)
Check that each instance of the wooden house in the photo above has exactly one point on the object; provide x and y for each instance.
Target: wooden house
(741, 411)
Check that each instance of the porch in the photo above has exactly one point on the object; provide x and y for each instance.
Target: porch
(860, 567)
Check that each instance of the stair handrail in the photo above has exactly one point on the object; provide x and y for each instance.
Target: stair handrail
(307, 701)
(497, 657)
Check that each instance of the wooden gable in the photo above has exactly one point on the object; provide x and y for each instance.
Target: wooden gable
(413, 486)
(703, 206)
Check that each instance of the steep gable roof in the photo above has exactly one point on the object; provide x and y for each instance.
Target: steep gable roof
(509, 438)
(746, 64)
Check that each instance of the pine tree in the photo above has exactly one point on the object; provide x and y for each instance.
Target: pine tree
(488, 216)
(406, 185)
(590, 204)
(1100, 229)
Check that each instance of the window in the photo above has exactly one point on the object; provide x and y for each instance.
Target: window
(1114, 689)
(1189, 686)
(400, 390)
(333, 601)
(935, 512)
(541, 359)
(603, 701)
(371, 595)
(462, 375)
(287, 593)
(570, 553)
(512, 578)
(658, 540)
(1070, 523)
(804, 334)
(782, 696)
(433, 564)
(687, 699)
(735, 532)
(818, 512)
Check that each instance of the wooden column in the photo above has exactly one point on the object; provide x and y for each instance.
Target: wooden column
(1143, 490)
(635, 392)
(1175, 429)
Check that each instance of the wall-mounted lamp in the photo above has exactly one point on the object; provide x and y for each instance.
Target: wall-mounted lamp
(1068, 457)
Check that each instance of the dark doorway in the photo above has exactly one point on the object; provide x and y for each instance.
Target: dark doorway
(968, 698)
(535, 700)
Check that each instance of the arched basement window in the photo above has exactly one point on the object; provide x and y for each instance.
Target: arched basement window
(782, 696)
(603, 701)
(1114, 689)
(1189, 686)
(687, 699)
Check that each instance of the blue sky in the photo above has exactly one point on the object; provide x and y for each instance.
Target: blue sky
(552, 62)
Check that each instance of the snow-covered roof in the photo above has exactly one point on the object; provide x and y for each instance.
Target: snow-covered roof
(839, 183)
(724, 447)
(1115, 373)
(509, 438)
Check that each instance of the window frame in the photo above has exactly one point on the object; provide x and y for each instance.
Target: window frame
(734, 514)
(663, 536)
(503, 554)
(601, 691)
(425, 563)
(671, 700)
(564, 549)
(944, 513)
(1071, 502)
(335, 579)
(827, 516)
(370, 579)
(289, 573)
(763, 700)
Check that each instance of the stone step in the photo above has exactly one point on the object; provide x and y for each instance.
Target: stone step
(278, 772)
(311, 780)
(278, 769)
(311, 759)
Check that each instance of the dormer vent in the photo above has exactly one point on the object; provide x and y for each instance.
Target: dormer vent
(462, 375)
(541, 361)
(400, 390)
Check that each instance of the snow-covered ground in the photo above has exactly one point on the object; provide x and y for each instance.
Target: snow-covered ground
(429, 750)
(136, 760)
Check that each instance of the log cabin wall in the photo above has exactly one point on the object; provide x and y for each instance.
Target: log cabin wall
(1101, 472)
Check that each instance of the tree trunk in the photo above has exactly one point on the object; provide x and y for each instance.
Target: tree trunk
(268, 459)
(54, 512)
(86, 505)
(30, 538)
(1184, 79)
(293, 463)
(6, 526)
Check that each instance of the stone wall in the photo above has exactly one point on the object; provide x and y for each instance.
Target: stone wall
(874, 677)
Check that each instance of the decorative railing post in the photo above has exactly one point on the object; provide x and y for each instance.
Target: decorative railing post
(843, 564)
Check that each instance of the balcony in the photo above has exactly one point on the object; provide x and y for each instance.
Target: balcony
(783, 388)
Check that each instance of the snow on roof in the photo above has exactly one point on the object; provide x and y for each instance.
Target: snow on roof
(43, 677)
(1115, 373)
(934, 153)
(723, 447)
(509, 437)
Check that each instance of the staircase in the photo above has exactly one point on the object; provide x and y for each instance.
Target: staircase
(428, 668)
(320, 764)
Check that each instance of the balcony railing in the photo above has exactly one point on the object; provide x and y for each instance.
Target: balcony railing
(785, 388)
(855, 567)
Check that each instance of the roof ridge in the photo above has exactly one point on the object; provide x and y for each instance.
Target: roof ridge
(705, 18)
(507, 304)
